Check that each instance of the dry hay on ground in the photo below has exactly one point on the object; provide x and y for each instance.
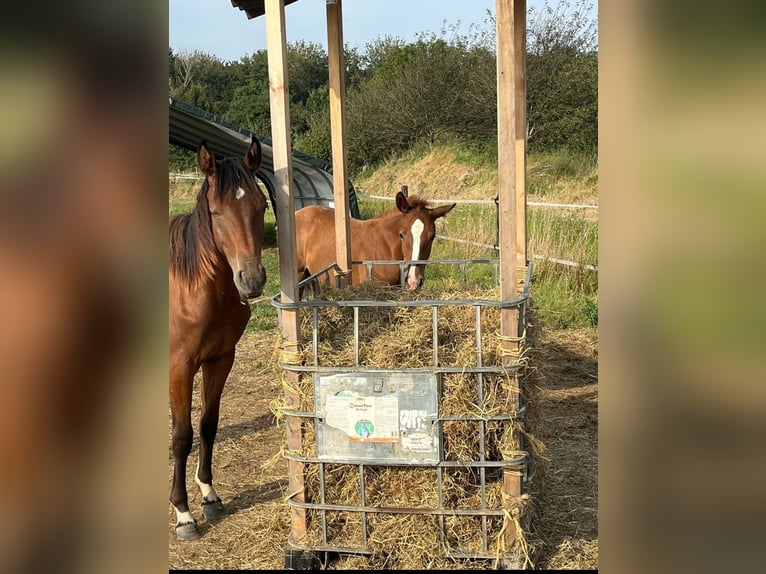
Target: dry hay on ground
(565, 489)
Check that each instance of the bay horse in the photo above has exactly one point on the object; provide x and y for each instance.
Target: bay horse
(215, 267)
(403, 233)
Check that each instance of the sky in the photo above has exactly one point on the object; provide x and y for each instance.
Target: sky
(217, 28)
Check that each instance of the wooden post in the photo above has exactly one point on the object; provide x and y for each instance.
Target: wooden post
(276, 46)
(338, 134)
(507, 198)
(520, 60)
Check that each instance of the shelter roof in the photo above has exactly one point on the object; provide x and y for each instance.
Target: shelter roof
(312, 176)
(254, 8)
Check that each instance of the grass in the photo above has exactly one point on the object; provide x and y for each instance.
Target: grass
(563, 176)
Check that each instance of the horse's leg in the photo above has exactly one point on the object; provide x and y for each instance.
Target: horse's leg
(214, 374)
(181, 384)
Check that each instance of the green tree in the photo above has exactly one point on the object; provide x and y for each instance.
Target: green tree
(562, 78)
(422, 91)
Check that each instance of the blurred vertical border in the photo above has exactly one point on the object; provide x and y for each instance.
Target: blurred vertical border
(83, 292)
(682, 278)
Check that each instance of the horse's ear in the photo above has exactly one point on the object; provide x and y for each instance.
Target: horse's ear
(252, 157)
(205, 159)
(438, 212)
(401, 202)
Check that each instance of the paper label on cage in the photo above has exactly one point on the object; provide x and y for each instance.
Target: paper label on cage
(418, 441)
(412, 419)
(364, 419)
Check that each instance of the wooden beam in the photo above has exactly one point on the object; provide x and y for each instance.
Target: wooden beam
(276, 46)
(520, 62)
(337, 68)
(507, 198)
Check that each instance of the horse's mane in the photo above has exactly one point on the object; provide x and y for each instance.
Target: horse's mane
(193, 251)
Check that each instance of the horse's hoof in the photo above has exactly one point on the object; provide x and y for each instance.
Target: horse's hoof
(188, 531)
(213, 510)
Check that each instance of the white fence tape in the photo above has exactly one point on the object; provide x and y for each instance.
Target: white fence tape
(175, 176)
(550, 259)
(488, 201)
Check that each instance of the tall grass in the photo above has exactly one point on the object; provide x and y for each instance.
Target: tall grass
(564, 296)
(182, 194)
(562, 175)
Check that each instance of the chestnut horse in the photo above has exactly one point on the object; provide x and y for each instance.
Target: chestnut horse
(403, 233)
(215, 267)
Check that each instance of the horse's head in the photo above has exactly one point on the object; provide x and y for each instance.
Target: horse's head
(237, 206)
(417, 231)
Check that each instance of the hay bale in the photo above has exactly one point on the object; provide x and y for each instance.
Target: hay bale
(391, 338)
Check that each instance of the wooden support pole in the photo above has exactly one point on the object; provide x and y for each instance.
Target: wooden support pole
(507, 200)
(276, 46)
(520, 62)
(337, 68)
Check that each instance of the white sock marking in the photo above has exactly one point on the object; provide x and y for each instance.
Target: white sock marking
(184, 517)
(240, 193)
(206, 489)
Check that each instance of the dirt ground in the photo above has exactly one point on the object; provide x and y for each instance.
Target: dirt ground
(251, 477)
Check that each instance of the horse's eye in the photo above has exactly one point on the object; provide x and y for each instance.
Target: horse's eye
(215, 213)
(401, 235)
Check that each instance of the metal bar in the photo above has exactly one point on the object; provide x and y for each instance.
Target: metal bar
(482, 427)
(328, 548)
(435, 334)
(356, 336)
(504, 417)
(440, 493)
(323, 501)
(315, 334)
(398, 510)
(517, 461)
(384, 303)
(428, 370)
(356, 550)
(363, 502)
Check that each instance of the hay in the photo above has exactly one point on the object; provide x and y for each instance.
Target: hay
(563, 414)
(392, 338)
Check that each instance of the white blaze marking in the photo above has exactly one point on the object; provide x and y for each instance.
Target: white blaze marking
(240, 193)
(184, 517)
(417, 231)
(205, 488)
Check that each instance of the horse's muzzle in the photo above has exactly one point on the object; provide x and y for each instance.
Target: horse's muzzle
(414, 278)
(250, 280)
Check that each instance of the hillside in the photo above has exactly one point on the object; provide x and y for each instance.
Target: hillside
(449, 172)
